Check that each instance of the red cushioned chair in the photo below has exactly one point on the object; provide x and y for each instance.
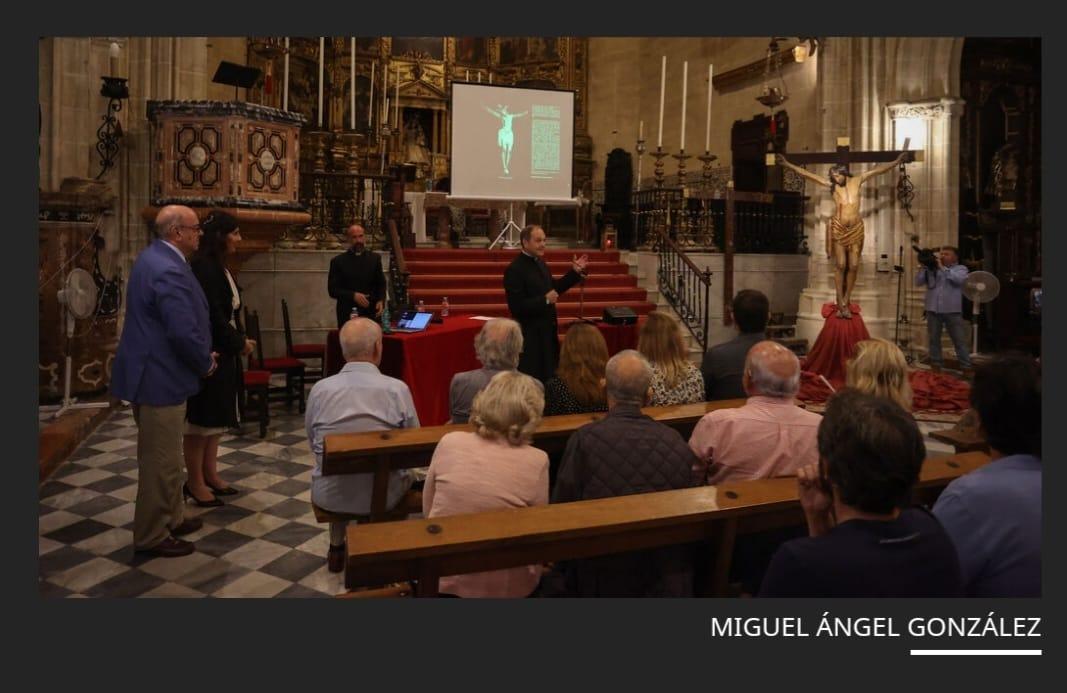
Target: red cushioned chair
(255, 385)
(292, 368)
(303, 351)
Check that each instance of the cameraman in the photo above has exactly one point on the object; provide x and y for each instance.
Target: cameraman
(944, 290)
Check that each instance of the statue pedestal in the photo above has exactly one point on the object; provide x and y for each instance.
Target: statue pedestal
(835, 344)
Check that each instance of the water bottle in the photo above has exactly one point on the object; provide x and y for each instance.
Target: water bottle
(386, 329)
(354, 314)
(444, 307)
(422, 306)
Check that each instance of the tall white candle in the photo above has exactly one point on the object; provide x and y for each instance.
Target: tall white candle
(641, 130)
(468, 78)
(370, 101)
(322, 60)
(396, 105)
(352, 82)
(285, 79)
(479, 76)
(685, 86)
(662, 88)
(113, 58)
(490, 76)
(707, 129)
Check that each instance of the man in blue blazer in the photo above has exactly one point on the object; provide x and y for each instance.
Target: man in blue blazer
(164, 352)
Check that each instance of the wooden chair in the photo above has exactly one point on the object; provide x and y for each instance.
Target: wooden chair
(292, 368)
(303, 351)
(255, 385)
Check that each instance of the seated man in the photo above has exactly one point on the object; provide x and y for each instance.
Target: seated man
(497, 346)
(624, 453)
(864, 539)
(993, 514)
(724, 363)
(770, 435)
(357, 399)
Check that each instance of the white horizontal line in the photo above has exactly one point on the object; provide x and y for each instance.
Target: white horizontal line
(976, 652)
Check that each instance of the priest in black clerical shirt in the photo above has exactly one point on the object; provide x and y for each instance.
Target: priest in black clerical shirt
(356, 279)
(532, 294)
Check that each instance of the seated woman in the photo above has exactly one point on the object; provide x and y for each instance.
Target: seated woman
(675, 380)
(578, 386)
(492, 469)
(878, 368)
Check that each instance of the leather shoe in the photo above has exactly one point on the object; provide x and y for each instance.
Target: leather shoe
(223, 491)
(169, 548)
(335, 558)
(188, 526)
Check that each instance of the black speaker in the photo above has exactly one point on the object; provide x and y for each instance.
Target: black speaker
(619, 315)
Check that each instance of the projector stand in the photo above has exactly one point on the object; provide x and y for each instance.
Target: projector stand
(509, 241)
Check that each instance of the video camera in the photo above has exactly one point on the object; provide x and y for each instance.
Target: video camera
(926, 256)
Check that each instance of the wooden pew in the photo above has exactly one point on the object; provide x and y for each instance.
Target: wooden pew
(423, 550)
(382, 452)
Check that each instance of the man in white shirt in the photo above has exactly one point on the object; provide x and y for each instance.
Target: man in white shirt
(358, 398)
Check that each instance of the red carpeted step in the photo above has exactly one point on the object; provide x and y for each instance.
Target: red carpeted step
(437, 282)
(469, 267)
(594, 309)
(458, 297)
(483, 255)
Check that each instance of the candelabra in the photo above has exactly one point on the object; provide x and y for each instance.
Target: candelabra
(681, 156)
(660, 155)
(108, 134)
(640, 156)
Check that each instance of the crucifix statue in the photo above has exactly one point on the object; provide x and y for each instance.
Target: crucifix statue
(844, 230)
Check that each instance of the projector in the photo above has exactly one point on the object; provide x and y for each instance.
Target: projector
(620, 315)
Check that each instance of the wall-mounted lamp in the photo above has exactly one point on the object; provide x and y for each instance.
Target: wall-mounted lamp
(806, 46)
(109, 133)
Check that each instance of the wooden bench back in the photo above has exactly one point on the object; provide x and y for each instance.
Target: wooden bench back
(363, 453)
(423, 550)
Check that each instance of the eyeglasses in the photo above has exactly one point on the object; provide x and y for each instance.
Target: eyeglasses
(195, 227)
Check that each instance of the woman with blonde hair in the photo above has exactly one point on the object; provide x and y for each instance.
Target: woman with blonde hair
(675, 380)
(493, 468)
(878, 368)
(578, 386)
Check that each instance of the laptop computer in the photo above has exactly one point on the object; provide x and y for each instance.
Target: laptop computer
(412, 321)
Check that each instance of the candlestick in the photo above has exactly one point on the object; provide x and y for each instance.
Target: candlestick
(285, 84)
(396, 104)
(662, 87)
(322, 60)
(707, 129)
(685, 86)
(659, 154)
(681, 157)
(352, 82)
(370, 101)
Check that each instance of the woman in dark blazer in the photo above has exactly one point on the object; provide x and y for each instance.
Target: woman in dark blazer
(213, 410)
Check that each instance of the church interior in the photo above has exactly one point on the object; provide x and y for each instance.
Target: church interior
(682, 168)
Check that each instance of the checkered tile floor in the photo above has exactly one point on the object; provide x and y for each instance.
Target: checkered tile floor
(264, 542)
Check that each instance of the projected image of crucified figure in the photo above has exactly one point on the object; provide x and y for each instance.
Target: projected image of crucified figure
(505, 137)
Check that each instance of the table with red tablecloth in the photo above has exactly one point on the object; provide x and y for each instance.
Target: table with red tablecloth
(427, 360)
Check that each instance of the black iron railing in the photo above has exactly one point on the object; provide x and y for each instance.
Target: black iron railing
(685, 287)
(698, 222)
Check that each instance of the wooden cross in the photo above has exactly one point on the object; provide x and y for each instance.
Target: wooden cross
(845, 155)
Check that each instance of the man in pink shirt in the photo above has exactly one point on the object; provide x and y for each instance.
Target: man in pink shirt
(770, 435)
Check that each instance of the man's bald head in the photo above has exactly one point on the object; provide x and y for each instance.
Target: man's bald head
(628, 375)
(168, 218)
(361, 340)
(771, 370)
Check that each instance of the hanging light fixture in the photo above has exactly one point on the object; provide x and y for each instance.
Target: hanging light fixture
(773, 93)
